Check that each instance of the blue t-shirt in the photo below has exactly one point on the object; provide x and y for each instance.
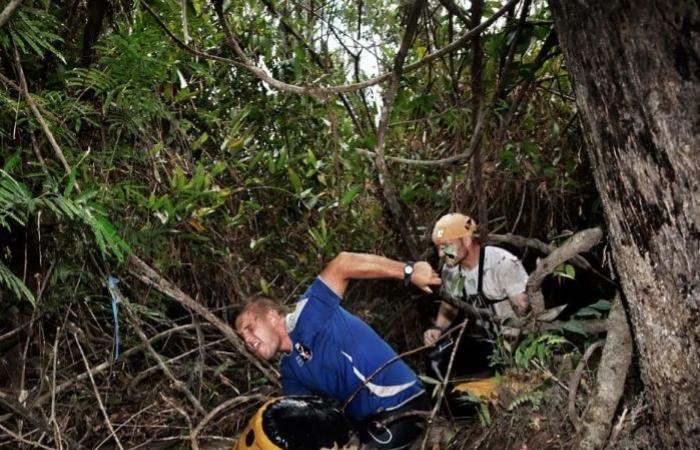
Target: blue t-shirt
(333, 352)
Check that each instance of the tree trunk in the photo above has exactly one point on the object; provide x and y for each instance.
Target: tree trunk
(636, 67)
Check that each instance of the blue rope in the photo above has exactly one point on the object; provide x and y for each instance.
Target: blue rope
(114, 292)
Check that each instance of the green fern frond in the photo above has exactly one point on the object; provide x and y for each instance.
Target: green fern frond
(534, 398)
(16, 203)
(552, 339)
(15, 285)
(33, 31)
(15, 200)
(106, 237)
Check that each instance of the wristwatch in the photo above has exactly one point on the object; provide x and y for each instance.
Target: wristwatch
(407, 272)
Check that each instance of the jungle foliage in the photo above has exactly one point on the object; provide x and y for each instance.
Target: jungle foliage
(180, 155)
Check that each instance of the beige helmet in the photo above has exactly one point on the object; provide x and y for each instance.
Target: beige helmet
(453, 226)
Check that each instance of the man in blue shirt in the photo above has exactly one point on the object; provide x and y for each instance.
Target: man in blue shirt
(329, 352)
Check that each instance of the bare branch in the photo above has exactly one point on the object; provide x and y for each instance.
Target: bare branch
(35, 111)
(186, 46)
(455, 10)
(388, 189)
(97, 394)
(149, 276)
(579, 243)
(323, 91)
(421, 162)
(179, 385)
(575, 379)
(106, 365)
(8, 11)
(521, 241)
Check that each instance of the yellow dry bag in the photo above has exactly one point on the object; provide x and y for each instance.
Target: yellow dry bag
(295, 423)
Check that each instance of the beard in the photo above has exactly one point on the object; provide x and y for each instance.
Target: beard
(452, 256)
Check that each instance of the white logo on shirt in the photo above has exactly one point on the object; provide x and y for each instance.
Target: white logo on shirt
(304, 353)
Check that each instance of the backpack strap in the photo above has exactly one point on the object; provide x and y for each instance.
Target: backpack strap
(480, 283)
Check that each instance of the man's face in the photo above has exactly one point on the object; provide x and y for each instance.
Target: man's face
(259, 332)
(453, 252)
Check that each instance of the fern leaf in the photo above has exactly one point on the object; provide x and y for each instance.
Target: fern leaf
(534, 398)
(14, 284)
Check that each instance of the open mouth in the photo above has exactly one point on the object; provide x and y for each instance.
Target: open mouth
(253, 346)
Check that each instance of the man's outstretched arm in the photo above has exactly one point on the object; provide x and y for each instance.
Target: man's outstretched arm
(363, 266)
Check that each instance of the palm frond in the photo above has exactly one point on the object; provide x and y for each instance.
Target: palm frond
(33, 31)
(14, 284)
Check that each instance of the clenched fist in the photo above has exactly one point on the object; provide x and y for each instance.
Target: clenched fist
(424, 276)
(431, 335)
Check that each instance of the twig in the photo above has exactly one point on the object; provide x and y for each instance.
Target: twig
(411, 413)
(143, 374)
(123, 424)
(179, 385)
(549, 373)
(455, 10)
(105, 365)
(25, 413)
(441, 393)
(214, 412)
(179, 409)
(19, 438)
(391, 360)
(421, 162)
(520, 210)
(617, 428)
(202, 354)
(52, 417)
(37, 152)
(185, 30)
(184, 45)
(97, 394)
(11, 333)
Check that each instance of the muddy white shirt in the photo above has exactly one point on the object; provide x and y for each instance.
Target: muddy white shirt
(504, 276)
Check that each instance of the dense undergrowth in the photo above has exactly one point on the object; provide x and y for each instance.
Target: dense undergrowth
(229, 187)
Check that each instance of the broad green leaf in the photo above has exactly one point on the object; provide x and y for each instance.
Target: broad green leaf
(350, 195)
(294, 179)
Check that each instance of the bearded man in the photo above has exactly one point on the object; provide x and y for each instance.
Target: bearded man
(486, 276)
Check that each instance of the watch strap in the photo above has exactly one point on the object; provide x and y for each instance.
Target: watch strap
(407, 273)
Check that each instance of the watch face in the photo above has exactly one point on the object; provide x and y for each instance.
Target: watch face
(408, 270)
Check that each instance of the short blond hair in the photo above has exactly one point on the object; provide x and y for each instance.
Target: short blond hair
(261, 304)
